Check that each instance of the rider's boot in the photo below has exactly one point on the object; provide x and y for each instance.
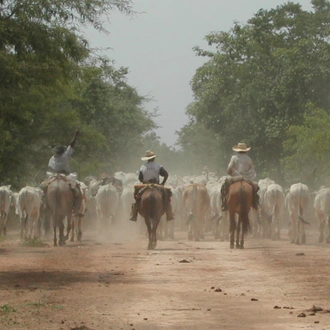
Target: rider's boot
(169, 212)
(134, 212)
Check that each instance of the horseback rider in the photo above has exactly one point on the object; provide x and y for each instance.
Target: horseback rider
(149, 173)
(240, 167)
(241, 164)
(59, 163)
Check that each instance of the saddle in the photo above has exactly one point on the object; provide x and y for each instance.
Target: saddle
(139, 189)
(225, 190)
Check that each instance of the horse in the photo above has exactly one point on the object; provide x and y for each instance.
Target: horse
(240, 197)
(60, 200)
(151, 208)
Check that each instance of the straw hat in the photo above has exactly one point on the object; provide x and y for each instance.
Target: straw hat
(149, 155)
(241, 147)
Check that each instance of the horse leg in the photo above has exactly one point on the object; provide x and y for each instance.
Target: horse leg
(232, 229)
(238, 231)
(147, 221)
(154, 235)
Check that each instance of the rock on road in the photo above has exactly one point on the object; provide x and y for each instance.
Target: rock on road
(112, 284)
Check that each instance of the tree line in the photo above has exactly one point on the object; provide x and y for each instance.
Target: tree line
(265, 83)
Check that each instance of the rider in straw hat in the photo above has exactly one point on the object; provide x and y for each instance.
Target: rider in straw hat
(149, 173)
(241, 164)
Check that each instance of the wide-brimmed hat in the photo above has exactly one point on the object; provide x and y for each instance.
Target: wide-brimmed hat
(241, 147)
(149, 155)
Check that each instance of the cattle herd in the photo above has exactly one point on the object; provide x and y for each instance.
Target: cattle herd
(196, 203)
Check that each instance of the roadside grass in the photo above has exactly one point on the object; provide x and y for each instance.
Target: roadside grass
(7, 309)
(34, 242)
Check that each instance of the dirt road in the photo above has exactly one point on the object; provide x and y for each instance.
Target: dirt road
(118, 284)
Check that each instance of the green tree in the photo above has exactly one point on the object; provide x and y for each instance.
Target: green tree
(307, 149)
(260, 77)
(44, 58)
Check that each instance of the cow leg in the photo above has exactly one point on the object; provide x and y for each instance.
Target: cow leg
(26, 222)
(22, 228)
(321, 218)
(196, 225)
(293, 223)
(303, 234)
(55, 239)
(190, 227)
(73, 220)
(278, 225)
(69, 222)
(61, 229)
(171, 229)
(79, 227)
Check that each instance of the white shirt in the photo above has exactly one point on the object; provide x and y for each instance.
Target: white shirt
(242, 165)
(150, 171)
(61, 163)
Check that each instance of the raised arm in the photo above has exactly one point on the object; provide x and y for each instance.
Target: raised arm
(74, 139)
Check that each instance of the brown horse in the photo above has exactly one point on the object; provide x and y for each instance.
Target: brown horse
(60, 202)
(240, 196)
(151, 208)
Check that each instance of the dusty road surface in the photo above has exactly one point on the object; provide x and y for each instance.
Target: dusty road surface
(115, 283)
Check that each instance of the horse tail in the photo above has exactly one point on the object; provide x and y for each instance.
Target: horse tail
(152, 208)
(244, 211)
(55, 213)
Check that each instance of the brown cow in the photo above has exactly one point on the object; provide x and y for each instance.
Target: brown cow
(196, 201)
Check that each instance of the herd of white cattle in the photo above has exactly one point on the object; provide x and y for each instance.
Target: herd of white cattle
(105, 205)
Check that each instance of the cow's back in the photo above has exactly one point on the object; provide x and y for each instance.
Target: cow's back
(298, 196)
(322, 201)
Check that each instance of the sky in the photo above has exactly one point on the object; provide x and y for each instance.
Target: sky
(156, 46)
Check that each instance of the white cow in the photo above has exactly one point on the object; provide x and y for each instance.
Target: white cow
(29, 201)
(274, 204)
(322, 211)
(76, 219)
(297, 202)
(220, 218)
(107, 201)
(5, 201)
(125, 205)
(261, 228)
